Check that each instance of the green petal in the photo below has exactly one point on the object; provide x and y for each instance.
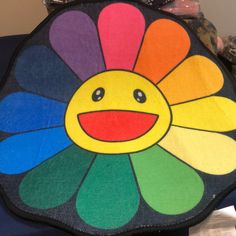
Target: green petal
(168, 185)
(56, 180)
(108, 197)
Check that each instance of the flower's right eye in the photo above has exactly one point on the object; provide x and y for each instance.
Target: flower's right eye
(98, 94)
(139, 96)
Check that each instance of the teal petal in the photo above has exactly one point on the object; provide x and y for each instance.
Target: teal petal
(109, 196)
(168, 185)
(55, 181)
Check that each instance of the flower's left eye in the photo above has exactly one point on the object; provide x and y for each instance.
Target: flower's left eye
(98, 94)
(139, 96)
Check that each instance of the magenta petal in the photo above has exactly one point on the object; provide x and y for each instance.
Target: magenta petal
(121, 28)
(73, 35)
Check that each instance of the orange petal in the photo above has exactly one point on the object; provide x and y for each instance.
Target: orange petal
(165, 45)
(196, 77)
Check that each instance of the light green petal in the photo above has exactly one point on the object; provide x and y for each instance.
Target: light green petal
(108, 197)
(168, 185)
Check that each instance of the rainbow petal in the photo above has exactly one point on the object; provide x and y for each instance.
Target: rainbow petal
(22, 152)
(73, 35)
(55, 181)
(166, 184)
(196, 77)
(41, 71)
(23, 111)
(208, 152)
(108, 197)
(120, 46)
(211, 113)
(165, 45)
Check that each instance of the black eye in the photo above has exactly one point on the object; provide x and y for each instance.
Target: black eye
(98, 94)
(139, 96)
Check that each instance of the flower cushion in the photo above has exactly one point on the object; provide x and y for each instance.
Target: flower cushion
(115, 118)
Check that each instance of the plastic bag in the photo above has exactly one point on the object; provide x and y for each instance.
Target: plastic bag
(188, 8)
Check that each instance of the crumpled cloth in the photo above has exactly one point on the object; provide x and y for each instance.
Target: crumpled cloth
(205, 30)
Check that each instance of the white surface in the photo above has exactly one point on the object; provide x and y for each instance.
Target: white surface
(220, 223)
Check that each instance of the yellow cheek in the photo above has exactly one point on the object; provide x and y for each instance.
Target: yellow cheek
(119, 87)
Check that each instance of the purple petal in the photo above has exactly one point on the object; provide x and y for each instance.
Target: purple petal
(74, 37)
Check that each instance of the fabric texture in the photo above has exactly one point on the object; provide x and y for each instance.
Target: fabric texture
(174, 165)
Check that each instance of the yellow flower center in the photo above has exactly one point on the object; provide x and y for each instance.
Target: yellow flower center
(117, 112)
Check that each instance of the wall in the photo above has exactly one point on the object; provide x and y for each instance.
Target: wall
(20, 16)
(222, 13)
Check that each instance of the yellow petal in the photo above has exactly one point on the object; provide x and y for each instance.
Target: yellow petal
(196, 77)
(208, 152)
(212, 114)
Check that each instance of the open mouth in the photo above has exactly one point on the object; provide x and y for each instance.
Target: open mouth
(116, 126)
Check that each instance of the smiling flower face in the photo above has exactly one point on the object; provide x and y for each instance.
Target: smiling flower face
(115, 118)
(111, 114)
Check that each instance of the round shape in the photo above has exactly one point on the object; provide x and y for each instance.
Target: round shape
(139, 96)
(117, 123)
(98, 94)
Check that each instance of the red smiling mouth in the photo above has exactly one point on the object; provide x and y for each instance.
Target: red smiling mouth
(116, 126)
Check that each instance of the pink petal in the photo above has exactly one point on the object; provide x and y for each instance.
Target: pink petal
(121, 28)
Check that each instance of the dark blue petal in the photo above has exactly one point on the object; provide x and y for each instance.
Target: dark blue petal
(22, 152)
(22, 111)
(40, 70)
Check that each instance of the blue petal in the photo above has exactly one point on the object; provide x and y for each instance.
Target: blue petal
(22, 152)
(20, 112)
(40, 70)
